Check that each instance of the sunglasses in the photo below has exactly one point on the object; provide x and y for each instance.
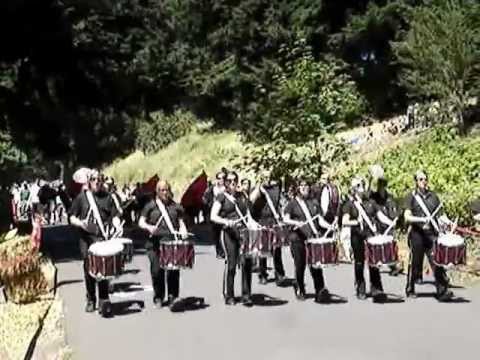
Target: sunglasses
(422, 179)
(230, 180)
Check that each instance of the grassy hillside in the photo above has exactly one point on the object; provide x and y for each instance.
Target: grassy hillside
(181, 161)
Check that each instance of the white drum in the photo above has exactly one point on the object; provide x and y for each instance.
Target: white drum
(382, 250)
(105, 259)
(127, 248)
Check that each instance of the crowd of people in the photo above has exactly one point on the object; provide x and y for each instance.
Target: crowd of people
(300, 216)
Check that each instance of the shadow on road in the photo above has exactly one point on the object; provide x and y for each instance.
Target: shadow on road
(127, 307)
(68, 282)
(334, 299)
(126, 286)
(266, 300)
(191, 303)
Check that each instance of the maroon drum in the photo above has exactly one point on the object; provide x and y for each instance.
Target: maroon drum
(176, 254)
(280, 235)
(105, 259)
(321, 252)
(381, 250)
(256, 242)
(450, 250)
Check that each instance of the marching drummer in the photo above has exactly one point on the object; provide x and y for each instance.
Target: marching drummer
(231, 210)
(361, 214)
(302, 213)
(162, 217)
(423, 209)
(93, 211)
(266, 211)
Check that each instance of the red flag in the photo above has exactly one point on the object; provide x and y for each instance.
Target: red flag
(151, 184)
(192, 198)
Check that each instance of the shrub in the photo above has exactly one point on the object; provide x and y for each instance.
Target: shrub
(162, 129)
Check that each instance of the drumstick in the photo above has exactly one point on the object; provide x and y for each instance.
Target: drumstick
(430, 218)
(391, 226)
(330, 230)
(306, 222)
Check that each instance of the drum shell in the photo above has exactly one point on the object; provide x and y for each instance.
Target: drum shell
(176, 254)
(321, 254)
(258, 242)
(382, 254)
(448, 256)
(105, 267)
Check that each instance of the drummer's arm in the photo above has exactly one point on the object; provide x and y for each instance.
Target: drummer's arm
(215, 215)
(384, 218)
(182, 228)
(346, 221)
(142, 224)
(75, 221)
(324, 223)
(289, 221)
(409, 218)
(255, 193)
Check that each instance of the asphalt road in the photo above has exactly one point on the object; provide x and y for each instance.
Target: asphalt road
(277, 327)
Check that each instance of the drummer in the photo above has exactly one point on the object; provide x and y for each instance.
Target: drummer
(301, 212)
(266, 211)
(231, 210)
(424, 229)
(93, 218)
(163, 219)
(362, 215)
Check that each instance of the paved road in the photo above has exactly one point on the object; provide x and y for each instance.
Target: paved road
(278, 328)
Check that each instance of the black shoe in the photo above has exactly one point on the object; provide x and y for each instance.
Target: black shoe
(299, 293)
(280, 280)
(445, 296)
(247, 300)
(105, 308)
(378, 296)
(263, 279)
(410, 293)
(361, 292)
(323, 296)
(174, 303)
(90, 307)
(230, 301)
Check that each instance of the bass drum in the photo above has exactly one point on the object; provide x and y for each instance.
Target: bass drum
(330, 201)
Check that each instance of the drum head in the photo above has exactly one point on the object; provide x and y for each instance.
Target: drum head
(123, 240)
(320, 240)
(329, 199)
(380, 239)
(106, 248)
(451, 240)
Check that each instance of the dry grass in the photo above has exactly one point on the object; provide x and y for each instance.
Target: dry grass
(181, 161)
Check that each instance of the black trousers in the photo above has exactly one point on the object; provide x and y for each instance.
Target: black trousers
(420, 244)
(358, 247)
(216, 234)
(158, 277)
(90, 282)
(230, 239)
(299, 254)
(277, 264)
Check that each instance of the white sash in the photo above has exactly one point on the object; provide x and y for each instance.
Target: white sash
(237, 209)
(166, 217)
(96, 214)
(117, 204)
(307, 214)
(364, 215)
(426, 211)
(270, 204)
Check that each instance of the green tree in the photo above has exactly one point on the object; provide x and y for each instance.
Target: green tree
(441, 54)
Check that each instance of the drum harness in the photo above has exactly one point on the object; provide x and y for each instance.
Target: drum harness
(430, 216)
(166, 217)
(96, 214)
(271, 205)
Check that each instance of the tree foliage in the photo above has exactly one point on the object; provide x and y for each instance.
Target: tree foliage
(440, 55)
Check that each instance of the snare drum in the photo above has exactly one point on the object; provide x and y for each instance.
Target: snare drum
(127, 249)
(449, 250)
(321, 251)
(176, 254)
(256, 242)
(381, 250)
(105, 259)
(280, 236)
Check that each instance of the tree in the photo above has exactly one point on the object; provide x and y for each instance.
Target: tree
(441, 54)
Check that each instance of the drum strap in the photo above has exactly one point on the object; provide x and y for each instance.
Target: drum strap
(364, 215)
(117, 203)
(165, 216)
(237, 209)
(307, 214)
(96, 213)
(427, 212)
(270, 204)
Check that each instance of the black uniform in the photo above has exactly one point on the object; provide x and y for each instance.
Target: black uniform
(358, 239)
(420, 241)
(216, 229)
(297, 240)
(80, 208)
(152, 214)
(262, 213)
(231, 240)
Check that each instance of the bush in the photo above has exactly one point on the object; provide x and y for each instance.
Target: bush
(452, 163)
(161, 129)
